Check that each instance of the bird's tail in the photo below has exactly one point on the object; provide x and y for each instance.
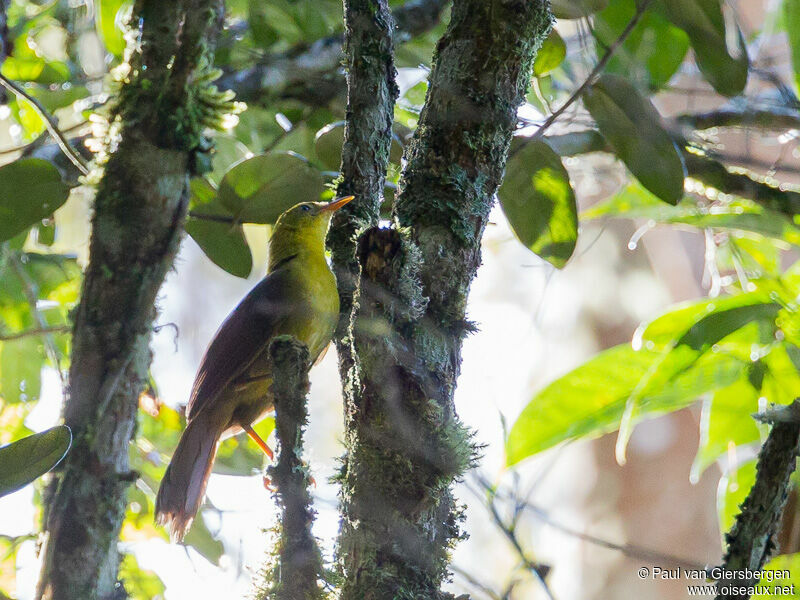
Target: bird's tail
(184, 482)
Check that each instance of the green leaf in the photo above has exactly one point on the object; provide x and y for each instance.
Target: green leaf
(21, 362)
(538, 201)
(723, 66)
(776, 585)
(223, 243)
(664, 331)
(227, 152)
(46, 232)
(632, 126)
(742, 323)
(239, 455)
(110, 19)
(328, 143)
(575, 9)
(29, 458)
(33, 68)
(791, 11)
(737, 215)
(201, 539)
(59, 97)
(653, 50)
(550, 55)
(726, 422)
(732, 490)
(140, 584)
(259, 189)
(31, 189)
(590, 400)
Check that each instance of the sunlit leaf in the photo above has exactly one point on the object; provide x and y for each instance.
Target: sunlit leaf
(259, 189)
(732, 490)
(537, 198)
(791, 10)
(550, 55)
(110, 17)
(726, 422)
(31, 189)
(140, 584)
(650, 54)
(590, 400)
(31, 457)
(21, 362)
(742, 323)
(632, 126)
(202, 540)
(773, 579)
(738, 214)
(667, 329)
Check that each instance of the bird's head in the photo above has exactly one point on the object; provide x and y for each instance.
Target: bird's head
(304, 226)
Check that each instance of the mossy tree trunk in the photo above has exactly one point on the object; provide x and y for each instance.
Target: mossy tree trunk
(155, 128)
(402, 341)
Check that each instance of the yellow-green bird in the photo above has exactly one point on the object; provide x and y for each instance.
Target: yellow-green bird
(298, 297)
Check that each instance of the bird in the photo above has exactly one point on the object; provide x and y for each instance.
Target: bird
(298, 297)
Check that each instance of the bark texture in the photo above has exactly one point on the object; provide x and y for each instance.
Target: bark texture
(298, 569)
(154, 130)
(371, 93)
(405, 444)
(705, 169)
(753, 537)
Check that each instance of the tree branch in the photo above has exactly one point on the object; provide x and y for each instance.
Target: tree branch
(49, 121)
(597, 70)
(751, 540)
(408, 446)
(704, 169)
(298, 569)
(776, 119)
(310, 73)
(35, 331)
(742, 183)
(371, 94)
(139, 209)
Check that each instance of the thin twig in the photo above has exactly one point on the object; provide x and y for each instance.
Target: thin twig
(50, 123)
(36, 142)
(601, 64)
(36, 331)
(537, 570)
(31, 294)
(215, 218)
(475, 582)
(626, 549)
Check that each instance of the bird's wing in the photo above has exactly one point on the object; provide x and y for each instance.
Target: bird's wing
(241, 338)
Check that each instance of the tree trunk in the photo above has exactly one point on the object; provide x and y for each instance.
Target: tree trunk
(155, 128)
(405, 444)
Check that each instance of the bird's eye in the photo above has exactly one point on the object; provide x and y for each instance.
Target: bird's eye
(305, 208)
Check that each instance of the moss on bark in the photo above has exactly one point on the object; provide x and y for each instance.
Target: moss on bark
(139, 211)
(295, 572)
(405, 444)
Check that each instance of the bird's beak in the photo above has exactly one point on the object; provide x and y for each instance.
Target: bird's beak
(337, 204)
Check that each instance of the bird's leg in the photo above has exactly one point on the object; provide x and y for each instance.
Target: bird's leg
(257, 439)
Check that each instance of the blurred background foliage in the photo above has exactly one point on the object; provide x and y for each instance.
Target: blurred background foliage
(679, 113)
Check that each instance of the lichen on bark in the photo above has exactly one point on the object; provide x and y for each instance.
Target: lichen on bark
(139, 209)
(405, 444)
(294, 570)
